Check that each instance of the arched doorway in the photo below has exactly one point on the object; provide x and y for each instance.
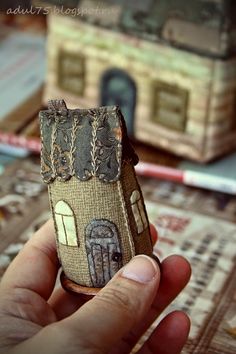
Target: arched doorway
(103, 251)
(118, 88)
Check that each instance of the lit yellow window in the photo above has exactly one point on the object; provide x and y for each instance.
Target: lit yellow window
(138, 211)
(65, 221)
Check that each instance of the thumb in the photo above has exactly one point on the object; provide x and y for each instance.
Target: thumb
(122, 303)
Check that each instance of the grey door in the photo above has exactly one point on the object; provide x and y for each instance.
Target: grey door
(118, 88)
(103, 251)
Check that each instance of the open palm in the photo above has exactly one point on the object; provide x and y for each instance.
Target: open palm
(35, 318)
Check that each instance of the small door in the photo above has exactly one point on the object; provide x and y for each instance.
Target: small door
(103, 250)
(118, 88)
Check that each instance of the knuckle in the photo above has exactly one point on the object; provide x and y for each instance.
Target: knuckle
(68, 340)
(130, 337)
(62, 333)
(119, 297)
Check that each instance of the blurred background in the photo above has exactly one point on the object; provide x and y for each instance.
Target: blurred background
(171, 67)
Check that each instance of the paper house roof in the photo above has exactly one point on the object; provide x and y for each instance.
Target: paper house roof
(148, 19)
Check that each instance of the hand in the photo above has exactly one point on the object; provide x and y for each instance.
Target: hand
(34, 319)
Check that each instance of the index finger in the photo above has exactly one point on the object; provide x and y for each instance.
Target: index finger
(36, 266)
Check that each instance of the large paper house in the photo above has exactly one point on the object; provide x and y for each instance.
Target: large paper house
(169, 65)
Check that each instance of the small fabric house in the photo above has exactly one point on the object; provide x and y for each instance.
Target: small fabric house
(96, 202)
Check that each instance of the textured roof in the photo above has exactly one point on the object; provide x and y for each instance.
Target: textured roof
(162, 20)
(146, 18)
(83, 143)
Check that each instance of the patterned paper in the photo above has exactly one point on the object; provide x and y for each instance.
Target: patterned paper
(209, 243)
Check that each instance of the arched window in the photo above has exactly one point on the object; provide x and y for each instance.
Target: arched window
(65, 221)
(138, 211)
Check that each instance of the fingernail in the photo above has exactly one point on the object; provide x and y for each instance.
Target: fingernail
(141, 269)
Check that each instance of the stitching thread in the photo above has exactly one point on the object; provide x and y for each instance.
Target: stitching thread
(131, 242)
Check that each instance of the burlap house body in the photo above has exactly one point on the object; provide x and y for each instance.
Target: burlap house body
(97, 205)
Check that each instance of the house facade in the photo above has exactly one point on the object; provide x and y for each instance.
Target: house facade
(97, 205)
(176, 92)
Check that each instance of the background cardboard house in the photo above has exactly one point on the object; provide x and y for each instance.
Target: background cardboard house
(97, 205)
(169, 65)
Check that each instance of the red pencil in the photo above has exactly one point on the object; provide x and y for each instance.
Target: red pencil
(158, 171)
(31, 144)
(190, 178)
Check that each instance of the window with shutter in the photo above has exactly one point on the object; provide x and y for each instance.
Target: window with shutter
(71, 72)
(170, 106)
